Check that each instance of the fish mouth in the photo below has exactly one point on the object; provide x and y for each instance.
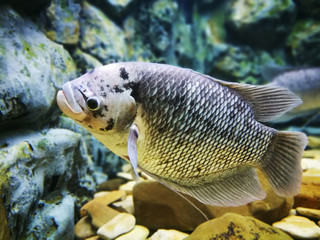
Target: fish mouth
(67, 101)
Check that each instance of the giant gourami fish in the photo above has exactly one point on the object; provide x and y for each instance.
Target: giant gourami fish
(195, 134)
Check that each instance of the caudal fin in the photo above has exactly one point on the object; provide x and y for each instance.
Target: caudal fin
(283, 162)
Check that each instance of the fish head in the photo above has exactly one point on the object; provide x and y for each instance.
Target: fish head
(99, 101)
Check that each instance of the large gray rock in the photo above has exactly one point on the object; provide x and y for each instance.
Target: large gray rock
(38, 171)
(261, 23)
(62, 21)
(100, 37)
(32, 69)
(54, 220)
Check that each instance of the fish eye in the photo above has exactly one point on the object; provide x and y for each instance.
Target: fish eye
(93, 103)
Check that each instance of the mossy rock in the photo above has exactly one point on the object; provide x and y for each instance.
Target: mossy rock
(260, 23)
(304, 42)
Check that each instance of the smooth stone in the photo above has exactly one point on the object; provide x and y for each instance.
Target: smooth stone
(312, 172)
(101, 214)
(106, 199)
(152, 198)
(313, 142)
(163, 234)
(298, 227)
(120, 224)
(309, 195)
(235, 226)
(83, 228)
(137, 233)
(125, 205)
(157, 206)
(125, 175)
(309, 163)
(309, 212)
(128, 187)
(112, 184)
(93, 238)
(312, 154)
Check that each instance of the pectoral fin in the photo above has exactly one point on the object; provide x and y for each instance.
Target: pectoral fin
(132, 149)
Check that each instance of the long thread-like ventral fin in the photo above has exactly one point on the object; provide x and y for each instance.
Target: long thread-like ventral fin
(283, 162)
(132, 149)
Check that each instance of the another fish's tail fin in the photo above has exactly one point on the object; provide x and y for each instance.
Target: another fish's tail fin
(283, 162)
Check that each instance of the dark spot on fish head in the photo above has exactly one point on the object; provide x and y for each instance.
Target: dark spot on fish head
(117, 89)
(91, 71)
(135, 89)
(110, 124)
(123, 73)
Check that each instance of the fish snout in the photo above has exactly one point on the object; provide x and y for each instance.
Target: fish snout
(68, 104)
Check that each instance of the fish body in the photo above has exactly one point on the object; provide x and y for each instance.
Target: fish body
(196, 134)
(304, 82)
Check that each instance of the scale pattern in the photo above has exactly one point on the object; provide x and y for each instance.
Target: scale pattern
(196, 129)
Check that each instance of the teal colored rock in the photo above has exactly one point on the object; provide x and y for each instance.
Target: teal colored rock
(242, 64)
(304, 42)
(53, 218)
(100, 37)
(260, 23)
(32, 69)
(149, 31)
(62, 21)
(39, 171)
(85, 62)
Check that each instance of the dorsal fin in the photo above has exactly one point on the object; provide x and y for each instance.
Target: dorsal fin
(268, 102)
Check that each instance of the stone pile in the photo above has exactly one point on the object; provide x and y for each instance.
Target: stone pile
(124, 209)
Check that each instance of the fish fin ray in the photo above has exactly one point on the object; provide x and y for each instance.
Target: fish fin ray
(267, 101)
(233, 190)
(283, 162)
(132, 149)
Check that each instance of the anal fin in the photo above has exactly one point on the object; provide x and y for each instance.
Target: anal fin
(234, 190)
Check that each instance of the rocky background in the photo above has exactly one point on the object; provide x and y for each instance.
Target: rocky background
(49, 167)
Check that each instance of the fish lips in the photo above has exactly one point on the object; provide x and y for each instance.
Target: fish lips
(67, 102)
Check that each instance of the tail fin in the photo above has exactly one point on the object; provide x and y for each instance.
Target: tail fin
(283, 163)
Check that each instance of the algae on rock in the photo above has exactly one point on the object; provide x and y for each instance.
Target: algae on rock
(62, 20)
(304, 42)
(252, 21)
(29, 60)
(38, 167)
(100, 37)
